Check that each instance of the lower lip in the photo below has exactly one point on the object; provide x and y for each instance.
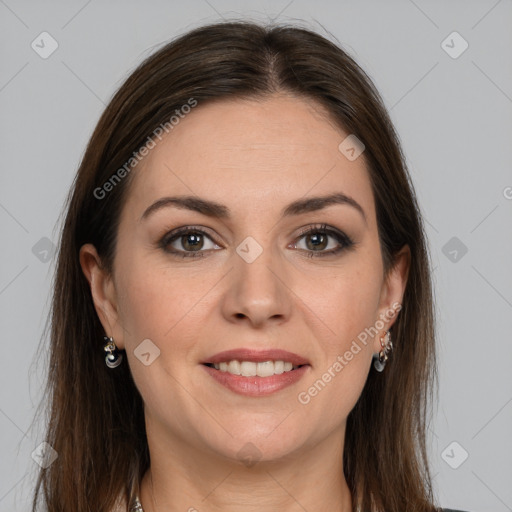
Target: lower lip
(257, 386)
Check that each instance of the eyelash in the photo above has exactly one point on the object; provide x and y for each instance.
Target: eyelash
(344, 241)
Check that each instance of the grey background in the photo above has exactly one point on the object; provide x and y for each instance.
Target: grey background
(454, 119)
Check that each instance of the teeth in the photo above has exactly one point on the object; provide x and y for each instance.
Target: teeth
(278, 367)
(248, 369)
(234, 367)
(252, 369)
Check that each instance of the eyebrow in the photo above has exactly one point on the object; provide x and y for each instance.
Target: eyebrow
(220, 211)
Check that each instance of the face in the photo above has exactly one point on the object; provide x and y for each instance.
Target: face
(251, 273)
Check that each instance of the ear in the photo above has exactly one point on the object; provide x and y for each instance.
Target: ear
(393, 290)
(103, 293)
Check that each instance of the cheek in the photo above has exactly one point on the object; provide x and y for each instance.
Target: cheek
(143, 304)
(334, 389)
(150, 300)
(351, 308)
(340, 375)
(154, 306)
(349, 304)
(165, 307)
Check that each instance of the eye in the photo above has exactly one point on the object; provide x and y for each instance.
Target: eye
(192, 242)
(316, 240)
(186, 241)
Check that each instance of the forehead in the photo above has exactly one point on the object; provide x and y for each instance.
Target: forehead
(246, 151)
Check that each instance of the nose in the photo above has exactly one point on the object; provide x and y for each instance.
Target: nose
(257, 291)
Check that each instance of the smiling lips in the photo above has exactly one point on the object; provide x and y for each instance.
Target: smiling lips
(256, 373)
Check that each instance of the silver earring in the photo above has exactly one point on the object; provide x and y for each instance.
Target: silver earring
(113, 358)
(380, 359)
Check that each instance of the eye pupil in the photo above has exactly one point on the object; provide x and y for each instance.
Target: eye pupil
(192, 241)
(319, 241)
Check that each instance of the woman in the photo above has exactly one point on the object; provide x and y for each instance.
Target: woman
(242, 242)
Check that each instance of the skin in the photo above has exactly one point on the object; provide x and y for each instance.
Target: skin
(259, 157)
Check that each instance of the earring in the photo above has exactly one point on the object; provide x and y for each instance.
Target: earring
(381, 358)
(113, 358)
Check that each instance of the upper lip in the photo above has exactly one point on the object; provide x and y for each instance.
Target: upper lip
(256, 356)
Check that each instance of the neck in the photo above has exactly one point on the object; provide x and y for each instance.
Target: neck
(182, 479)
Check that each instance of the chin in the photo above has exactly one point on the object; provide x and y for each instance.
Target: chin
(251, 447)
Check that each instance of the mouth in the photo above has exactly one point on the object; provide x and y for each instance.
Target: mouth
(256, 373)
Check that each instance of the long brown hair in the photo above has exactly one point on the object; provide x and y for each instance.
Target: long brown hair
(95, 414)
